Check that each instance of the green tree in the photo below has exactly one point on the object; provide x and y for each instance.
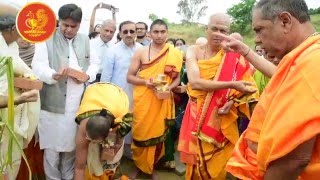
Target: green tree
(192, 10)
(241, 15)
(153, 17)
(166, 20)
(314, 11)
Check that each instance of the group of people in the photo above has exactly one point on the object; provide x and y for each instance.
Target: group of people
(234, 112)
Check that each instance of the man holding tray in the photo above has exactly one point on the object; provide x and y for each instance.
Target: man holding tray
(153, 105)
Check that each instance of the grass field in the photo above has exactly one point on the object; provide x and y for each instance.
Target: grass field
(190, 32)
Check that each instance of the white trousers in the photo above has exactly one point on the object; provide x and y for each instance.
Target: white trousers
(58, 165)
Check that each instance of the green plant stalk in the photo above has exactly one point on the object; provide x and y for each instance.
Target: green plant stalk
(7, 61)
(10, 105)
(2, 126)
(15, 139)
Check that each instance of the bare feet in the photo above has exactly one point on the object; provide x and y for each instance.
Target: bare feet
(135, 173)
(155, 176)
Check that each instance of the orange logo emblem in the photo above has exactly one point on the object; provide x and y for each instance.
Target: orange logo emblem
(36, 22)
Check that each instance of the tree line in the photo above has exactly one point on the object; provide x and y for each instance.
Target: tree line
(313, 11)
(193, 10)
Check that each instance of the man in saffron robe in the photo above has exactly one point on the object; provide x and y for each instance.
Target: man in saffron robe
(216, 94)
(152, 115)
(104, 111)
(282, 140)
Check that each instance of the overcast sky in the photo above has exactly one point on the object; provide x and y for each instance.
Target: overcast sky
(139, 10)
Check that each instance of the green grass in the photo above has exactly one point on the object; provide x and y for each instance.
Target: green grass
(190, 32)
(315, 19)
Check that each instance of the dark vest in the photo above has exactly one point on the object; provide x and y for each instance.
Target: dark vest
(53, 97)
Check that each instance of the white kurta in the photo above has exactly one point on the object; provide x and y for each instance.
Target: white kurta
(58, 131)
(26, 115)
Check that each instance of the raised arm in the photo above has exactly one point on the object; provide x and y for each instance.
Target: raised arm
(93, 17)
(82, 145)
(260, 63)
(197, 83)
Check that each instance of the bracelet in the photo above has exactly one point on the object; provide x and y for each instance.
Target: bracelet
(247, 53)
(231, 98)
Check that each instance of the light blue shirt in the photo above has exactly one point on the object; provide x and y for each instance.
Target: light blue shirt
(115, 66)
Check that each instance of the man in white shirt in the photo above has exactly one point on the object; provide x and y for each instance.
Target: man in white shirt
(61, 95)
(116, 64)
(101, 44)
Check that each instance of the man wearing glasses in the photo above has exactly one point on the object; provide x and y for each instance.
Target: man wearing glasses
(116, 64)
(142, 29)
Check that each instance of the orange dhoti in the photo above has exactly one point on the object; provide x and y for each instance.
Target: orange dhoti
(207, 151)
(152, 115)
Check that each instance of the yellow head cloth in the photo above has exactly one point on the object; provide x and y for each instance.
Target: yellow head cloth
(107, 96)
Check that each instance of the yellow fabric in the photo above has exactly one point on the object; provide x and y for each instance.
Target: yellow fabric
(187, 144)
(110, 97)
(212, 161)
(149, 112)
(286, 116)
(103, 96)
(208, 69)
(107, 175)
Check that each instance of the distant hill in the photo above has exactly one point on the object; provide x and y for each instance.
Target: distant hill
(190, 32)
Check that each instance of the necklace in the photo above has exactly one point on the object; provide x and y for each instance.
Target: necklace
(314, 34)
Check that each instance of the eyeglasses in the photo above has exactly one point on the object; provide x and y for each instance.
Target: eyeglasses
(127, 31)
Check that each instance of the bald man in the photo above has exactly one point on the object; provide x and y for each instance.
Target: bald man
(101, 44)
(201, 41)
(237, 36)
(209, 128)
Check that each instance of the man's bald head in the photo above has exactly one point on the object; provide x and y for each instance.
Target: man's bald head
(221, 18)
(218, 23)
(237, 36)
(201, 40)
